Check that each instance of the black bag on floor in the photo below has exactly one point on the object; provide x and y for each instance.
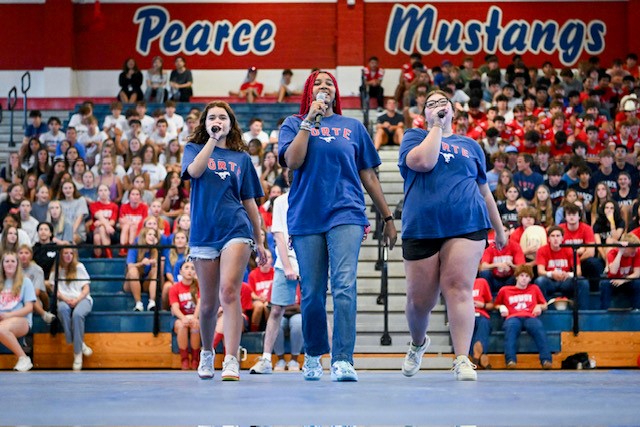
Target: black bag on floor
(577, 361)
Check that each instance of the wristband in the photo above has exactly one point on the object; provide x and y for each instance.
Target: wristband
(389, 218)
(306, 125)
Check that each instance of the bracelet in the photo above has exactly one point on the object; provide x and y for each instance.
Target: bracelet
(306, 125)
(389, 218)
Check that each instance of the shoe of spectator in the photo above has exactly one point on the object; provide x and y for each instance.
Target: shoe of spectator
(139, 306)
(205, 368)
(293, 365)
(262, 366)
(48, 317)
(464, 370)
(195, 359)
(77, 362)
(86, 350)
(343, 371)
(312, 368)
(546, 365)
(230, 368)
(281, 365)
(123, 252)
(413, 358)
(511, 365)
(24, 364)
(151, 305)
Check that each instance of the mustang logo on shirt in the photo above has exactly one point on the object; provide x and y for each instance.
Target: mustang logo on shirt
(447, 156)
(327, 138)
(223, 175)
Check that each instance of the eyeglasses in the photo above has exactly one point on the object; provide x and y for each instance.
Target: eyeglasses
(442, 102)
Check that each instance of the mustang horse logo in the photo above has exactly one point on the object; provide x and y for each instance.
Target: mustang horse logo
(223, 175)
(447, 156)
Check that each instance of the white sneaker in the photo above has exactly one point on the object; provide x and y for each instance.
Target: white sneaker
(77, 362)
(86, 350)
(205, 368)
(151, 305)
(139, 306)
(464, 370)
(24, 364)
(230, 368)
(281, 365)
(48, 317)
(262, 366)
(413, 358)
(293, 365)
(312, 368)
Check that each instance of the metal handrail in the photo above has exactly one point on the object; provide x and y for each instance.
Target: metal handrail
(24, 89)
(12, 99)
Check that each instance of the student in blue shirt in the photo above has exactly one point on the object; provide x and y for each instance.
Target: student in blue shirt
(327, 218)
(225, 227)
(448, 208)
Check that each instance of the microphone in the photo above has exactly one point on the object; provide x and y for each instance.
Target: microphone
(215, 129)
(442, 113)
(321, 96)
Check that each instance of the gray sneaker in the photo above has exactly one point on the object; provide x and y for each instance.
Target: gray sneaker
(205, 368)
(463, 369)
(262, 366)
(230, 368)
(413, 359)
(343, 371)
(312, 368)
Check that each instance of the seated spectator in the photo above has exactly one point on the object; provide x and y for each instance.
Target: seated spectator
(174, 120)
(9, 241)
(557, 187)
(625, 196)
(45, 251)
(507, 210)
(89, 190)
(497, 266)
(155, 211)
(74, 302)
(28, 152)
(250, 89)
(521, 306)
(160, 136)
(260, 281)
(78, 168)
(526, 179)
(173, 196)
(156, 81)
(389, 127)
(577, 232)
(255, 131)
(156, 171)
(35, 128)
(270, 170)
(483, 303)
(103, 216)
(54, 136)
(505, 180)
(291, 324)
(130, 81)
(130, 218)
(373, 76)
(15, 194)
(570, 198)
(75, 209)
(256, 153)
(142, 269)
(92, 141)
(184, 297)
(608, 227)
(107, 176)
(266, 209)
(174, 258)
(115, 124)
(543, 205)
(12, 172)
(35, 273)
(62, 228)
(27, 222)
(527, 218)
(555, 270)
(13, 220)
(171, 158)
(181, 81)
(287, 87)
(17, 298)
(141, 182)
(623, 274)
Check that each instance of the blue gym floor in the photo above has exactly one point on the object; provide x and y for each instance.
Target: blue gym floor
(532, 398)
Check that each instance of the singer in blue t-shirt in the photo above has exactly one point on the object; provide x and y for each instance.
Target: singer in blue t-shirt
(332, 157)
(225, 227)
(448, 208)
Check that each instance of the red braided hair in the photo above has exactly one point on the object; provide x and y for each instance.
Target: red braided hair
(307, 94)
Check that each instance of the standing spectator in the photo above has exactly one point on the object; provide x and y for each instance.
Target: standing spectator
(328, 231)
(389, 127)
(181, 81)
(156, 81)
(373, 75)
(623, 275)
(74, 302)
(17, 297)
(522, 305)
(130, 81)
(184, 297)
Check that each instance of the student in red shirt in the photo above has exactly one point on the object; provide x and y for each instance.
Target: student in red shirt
(521, 306)
(483, 303)
(555, 269)
(260, 281)
(496, 266)
(184, 298)
(623, 273)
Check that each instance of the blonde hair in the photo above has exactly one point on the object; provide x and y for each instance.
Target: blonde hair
(173, 253)
(58, 225)
(18, 279)
(142, 240)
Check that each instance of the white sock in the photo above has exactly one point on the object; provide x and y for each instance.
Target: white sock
(266, 356)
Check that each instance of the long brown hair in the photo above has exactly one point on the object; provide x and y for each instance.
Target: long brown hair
(142, 240)
(18, 278)
(71, 269)
(234, 138)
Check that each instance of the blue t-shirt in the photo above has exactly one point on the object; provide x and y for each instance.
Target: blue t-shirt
(9, 302)
(326, 190)
(446, 201)
(32, 132)
(217, 212)
(175, 268)
(527, 184)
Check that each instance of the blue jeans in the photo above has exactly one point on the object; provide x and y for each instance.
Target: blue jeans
(550, 287)
(607, 289)
(495, 283)
(533, 325)
(72, 320)
(294, 325)
(481, 332)
(334, 252)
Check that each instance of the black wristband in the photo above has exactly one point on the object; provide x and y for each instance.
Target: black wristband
(389, 218)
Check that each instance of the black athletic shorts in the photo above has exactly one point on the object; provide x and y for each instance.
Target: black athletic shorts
(416, 249)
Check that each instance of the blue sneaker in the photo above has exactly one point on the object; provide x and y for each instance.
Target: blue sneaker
(343, 371)
(312, 368)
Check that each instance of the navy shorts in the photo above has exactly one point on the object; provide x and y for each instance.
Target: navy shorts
(416, 249)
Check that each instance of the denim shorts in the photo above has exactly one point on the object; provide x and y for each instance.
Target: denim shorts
(209, 253)
(283, 291)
